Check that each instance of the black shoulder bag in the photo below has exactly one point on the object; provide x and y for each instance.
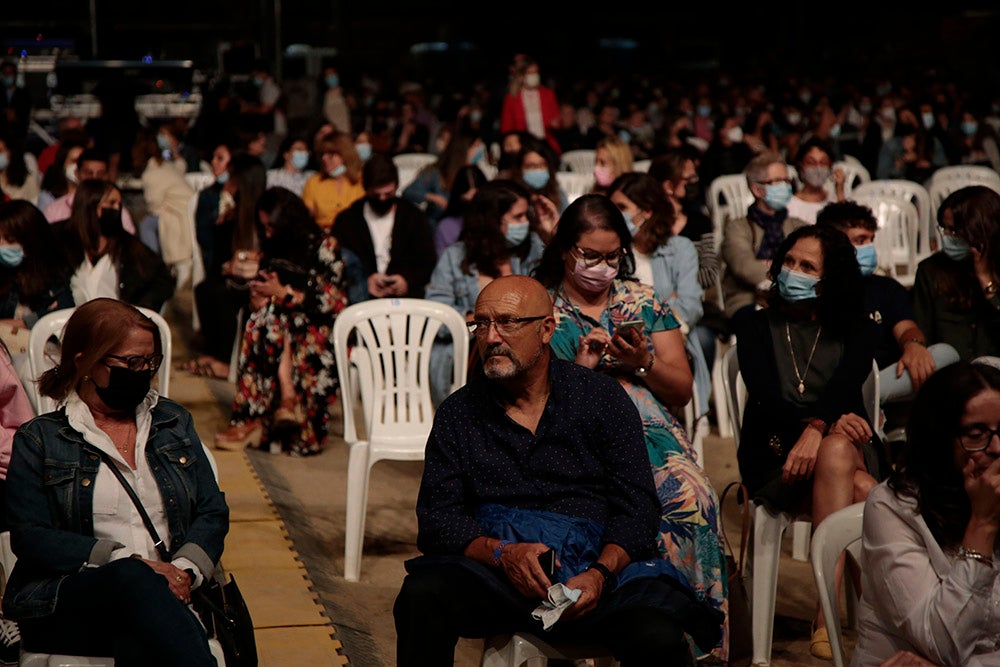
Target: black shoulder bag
(220, 604)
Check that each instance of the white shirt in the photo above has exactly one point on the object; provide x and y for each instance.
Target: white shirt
(917, 597)
(533, 111)
(643, 267)
(380, 228)
(91, 281)
(294, 181)
(805, 210)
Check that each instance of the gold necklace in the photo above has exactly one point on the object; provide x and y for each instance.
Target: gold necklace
(795, 366)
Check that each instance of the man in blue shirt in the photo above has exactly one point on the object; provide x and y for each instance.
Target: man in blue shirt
(537, 453)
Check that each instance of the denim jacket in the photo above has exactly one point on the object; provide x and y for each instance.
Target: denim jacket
(50, 494)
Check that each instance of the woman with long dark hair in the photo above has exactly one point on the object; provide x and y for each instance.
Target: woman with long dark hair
(286, 379)
(806, 442)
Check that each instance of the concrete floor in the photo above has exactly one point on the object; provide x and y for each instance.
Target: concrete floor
(309, 496)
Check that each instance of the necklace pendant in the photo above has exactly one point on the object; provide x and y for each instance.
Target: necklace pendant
(802, 388)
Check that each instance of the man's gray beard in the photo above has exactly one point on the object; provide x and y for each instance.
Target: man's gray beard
(516, 369)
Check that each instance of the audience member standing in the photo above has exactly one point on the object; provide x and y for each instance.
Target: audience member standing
(531, 106)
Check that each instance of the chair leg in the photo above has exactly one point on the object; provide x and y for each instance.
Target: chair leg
(767, 532)
(801, 536)
(357, 494)
(719, 394)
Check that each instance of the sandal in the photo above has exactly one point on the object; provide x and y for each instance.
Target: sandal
(240, 436)
(819, 644)
(289, 414)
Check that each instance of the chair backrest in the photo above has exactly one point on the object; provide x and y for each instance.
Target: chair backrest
(575, 184)
(395, 336)
(897, 238)
(855, 174)
(735, 390)
(838, 532)
(413, 160)
(580, 160)
(43, 354)
(728, 197)
(946, 180)
(642, 166)
(912, 192)
(406, 176)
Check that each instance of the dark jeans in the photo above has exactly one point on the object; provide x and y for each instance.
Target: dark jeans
(123, 609)
(438, 605)
(218, 305)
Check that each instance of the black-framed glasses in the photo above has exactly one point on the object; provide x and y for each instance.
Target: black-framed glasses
(592, 258)
(138, 362)
(505, 325)
(977, 437)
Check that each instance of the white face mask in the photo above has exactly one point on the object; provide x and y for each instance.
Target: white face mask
(71, 173)
(735, 134)
(532, 80)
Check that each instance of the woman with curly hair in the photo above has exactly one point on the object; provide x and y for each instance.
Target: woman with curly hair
(806, 442)
(286, 379)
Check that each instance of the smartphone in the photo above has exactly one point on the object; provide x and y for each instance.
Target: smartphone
(388, 280)
(547, 560)
(631, 325)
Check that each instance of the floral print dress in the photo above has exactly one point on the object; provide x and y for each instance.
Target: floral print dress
(308, 327)
(690, 532)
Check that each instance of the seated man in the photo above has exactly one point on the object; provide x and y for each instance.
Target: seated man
(92, 164)
(901, 352)
(518, 462)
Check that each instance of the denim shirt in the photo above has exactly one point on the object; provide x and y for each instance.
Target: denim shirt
(50, 494)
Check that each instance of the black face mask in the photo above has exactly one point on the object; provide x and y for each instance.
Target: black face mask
(125, 389)
(381, 206)
(692, 193)
(111, 222)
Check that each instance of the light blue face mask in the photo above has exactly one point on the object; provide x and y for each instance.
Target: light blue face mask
(536, 178)
(364, 151)
(867, 258)
(778, 195)
(332, 81)
(478, 155)
(162, 142)
(300, 159)
(11, 255)
(222, 178)
(955, 248)
(4, 161)
(516, 233)
(632, 227)
(338, 171)
(796, 286)
(969, 127)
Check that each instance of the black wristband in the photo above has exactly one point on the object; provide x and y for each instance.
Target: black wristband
(610, 578)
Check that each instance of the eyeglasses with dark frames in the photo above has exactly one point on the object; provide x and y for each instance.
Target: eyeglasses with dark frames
(138, 363)
(977, 437)
(592, 258)
(505, 325)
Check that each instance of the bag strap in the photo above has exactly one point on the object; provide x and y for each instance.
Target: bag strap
(744, 520)
(161, 548)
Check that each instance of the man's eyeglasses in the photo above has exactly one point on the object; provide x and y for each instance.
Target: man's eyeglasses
(775, 181)
(977, 437)
(947, 231)
(591, 258)
(505, 325)
(138, 363)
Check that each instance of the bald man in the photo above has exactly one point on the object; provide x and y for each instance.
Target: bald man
(536, 453)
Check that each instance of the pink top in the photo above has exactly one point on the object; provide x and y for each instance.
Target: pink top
(61, 208)
(15, 409)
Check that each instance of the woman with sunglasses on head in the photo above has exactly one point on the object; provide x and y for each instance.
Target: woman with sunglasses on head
(89, 579)
(929, 544)
(956, 291)
(609, 321)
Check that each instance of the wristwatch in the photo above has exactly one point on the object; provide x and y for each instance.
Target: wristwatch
(643, 371)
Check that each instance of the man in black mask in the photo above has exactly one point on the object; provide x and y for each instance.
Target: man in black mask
(392, 237)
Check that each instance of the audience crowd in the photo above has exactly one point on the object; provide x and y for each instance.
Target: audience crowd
(279, 221)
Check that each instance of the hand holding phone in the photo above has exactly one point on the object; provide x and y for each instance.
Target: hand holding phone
(547, 559)
(630, 329)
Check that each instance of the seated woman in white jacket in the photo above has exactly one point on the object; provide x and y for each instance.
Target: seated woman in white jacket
(929, 581)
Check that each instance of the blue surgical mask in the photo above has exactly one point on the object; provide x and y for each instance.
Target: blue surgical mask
(955, 248)
(777, 195)
(332, 81)
(632, 227)
(867, 258)
(969, 127)
(162, 142)
(4, 161)
(835, 131)
(300, 159)
(536, 178)
(928, 119)
(796, 286)
(516, 233)
(338, 171)
(257, 81)
(364, 151)
(704, 110)
(11, 255)
(478, 155)
(222, 178)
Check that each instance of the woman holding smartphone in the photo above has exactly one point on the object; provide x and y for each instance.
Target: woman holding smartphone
(609, 321)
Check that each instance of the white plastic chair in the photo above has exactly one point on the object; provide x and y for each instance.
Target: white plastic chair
(855, 174)
(946, 180)
(912, 192)
(836, 533)
(896, 239)
(413, 160)
(580, 160)
(52, 324)
(394, 337)
(521, 647)
(642, 166)
(575, 184)
(197, 262)
(406, 176)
